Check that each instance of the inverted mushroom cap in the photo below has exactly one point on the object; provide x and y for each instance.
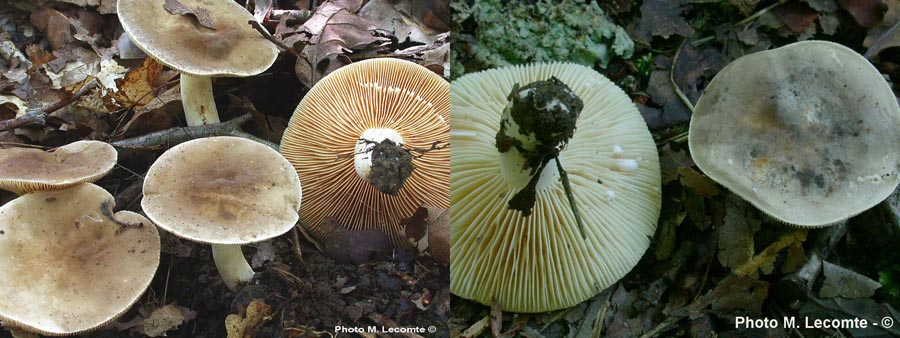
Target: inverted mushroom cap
(25, 169)
(374, 94)
(65, 268)
(808, 133)
(222, 190)
(541, 262)
(233, 48)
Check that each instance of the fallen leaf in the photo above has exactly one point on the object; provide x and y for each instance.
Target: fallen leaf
(797, 16)
(661, 18)
(863, 308)
(199, 13)
(55, 25)
(887, 33)
(238, 326)
(867, 13)
(843, 282)
(327, 37)
(732, 296)
(736, 245)
(165, 319)
(353, 246)
(699, 183)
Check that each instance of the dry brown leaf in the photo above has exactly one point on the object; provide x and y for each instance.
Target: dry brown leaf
(797, 16)
(661, 18)
(867, 13)
(330, 34)
(165, 319)
(55, 25)
(886, 34)
(199, 13)
(242, 327)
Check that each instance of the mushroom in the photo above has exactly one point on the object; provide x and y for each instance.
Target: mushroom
(536, 258)
(807, 133)
(69, 264)
(225, 191)
(375, 111)
(213, 38)
(26, 169)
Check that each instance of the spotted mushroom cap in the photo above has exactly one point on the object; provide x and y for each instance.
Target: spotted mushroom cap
(807, 133)
(233, 48)
(376, 93)
(68, 267)
(541, 262)
(222, 190)
(26, 169)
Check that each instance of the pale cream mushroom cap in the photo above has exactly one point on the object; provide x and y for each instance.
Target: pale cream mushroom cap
(234, 48)
(541, 262)
(377, 93)
(65, 269)
(808, 133)
(25, 169)
(222, 190)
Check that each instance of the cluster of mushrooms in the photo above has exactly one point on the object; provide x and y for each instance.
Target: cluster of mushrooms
(556, 189)
(383, 115)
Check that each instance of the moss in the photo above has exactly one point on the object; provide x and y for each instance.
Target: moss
(498, 33)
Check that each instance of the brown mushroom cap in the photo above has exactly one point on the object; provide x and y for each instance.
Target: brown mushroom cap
(222, 190)
(26, 169)
(65, 268)
(808, 133)
(378, 93)
(233, 48)
(543, 262)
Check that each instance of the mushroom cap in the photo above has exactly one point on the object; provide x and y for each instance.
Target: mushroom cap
(541, 262)
(66, 269)
(26, 169)
(807, 133)
(222, 190)
(376, 93)
(234, 48)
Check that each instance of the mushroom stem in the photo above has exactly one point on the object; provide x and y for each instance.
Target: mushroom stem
(197, 99)
(20, 333)
(232, 265)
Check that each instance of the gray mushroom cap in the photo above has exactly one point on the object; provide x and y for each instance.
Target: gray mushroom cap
(808, 133)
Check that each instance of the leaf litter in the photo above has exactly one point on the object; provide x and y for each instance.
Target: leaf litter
(64, 78)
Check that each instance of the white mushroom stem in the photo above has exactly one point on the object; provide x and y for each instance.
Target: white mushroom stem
(232, 265)
(362, 158)
(198, 101)
(20, 333)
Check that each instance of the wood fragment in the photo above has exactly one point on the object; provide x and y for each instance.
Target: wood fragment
(173, 136)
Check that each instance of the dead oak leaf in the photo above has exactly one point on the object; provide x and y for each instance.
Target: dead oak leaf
(331, 33)
(661, 18)
(200, 13)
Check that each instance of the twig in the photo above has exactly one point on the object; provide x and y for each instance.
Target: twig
(39, 116)
(677, 89)
(759, 13)
(265, 33)
(24, 120)
(178, 135)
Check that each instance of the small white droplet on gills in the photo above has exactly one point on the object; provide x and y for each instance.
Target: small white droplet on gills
(626, 165)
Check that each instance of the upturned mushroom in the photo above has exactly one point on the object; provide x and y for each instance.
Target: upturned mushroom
(26, 169)
(808, 133)
(225, 191)
(519, 135)
(200, 38)
(392, 118)
(69, 264)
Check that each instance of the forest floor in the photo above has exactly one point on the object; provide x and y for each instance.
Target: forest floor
(56, 65)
